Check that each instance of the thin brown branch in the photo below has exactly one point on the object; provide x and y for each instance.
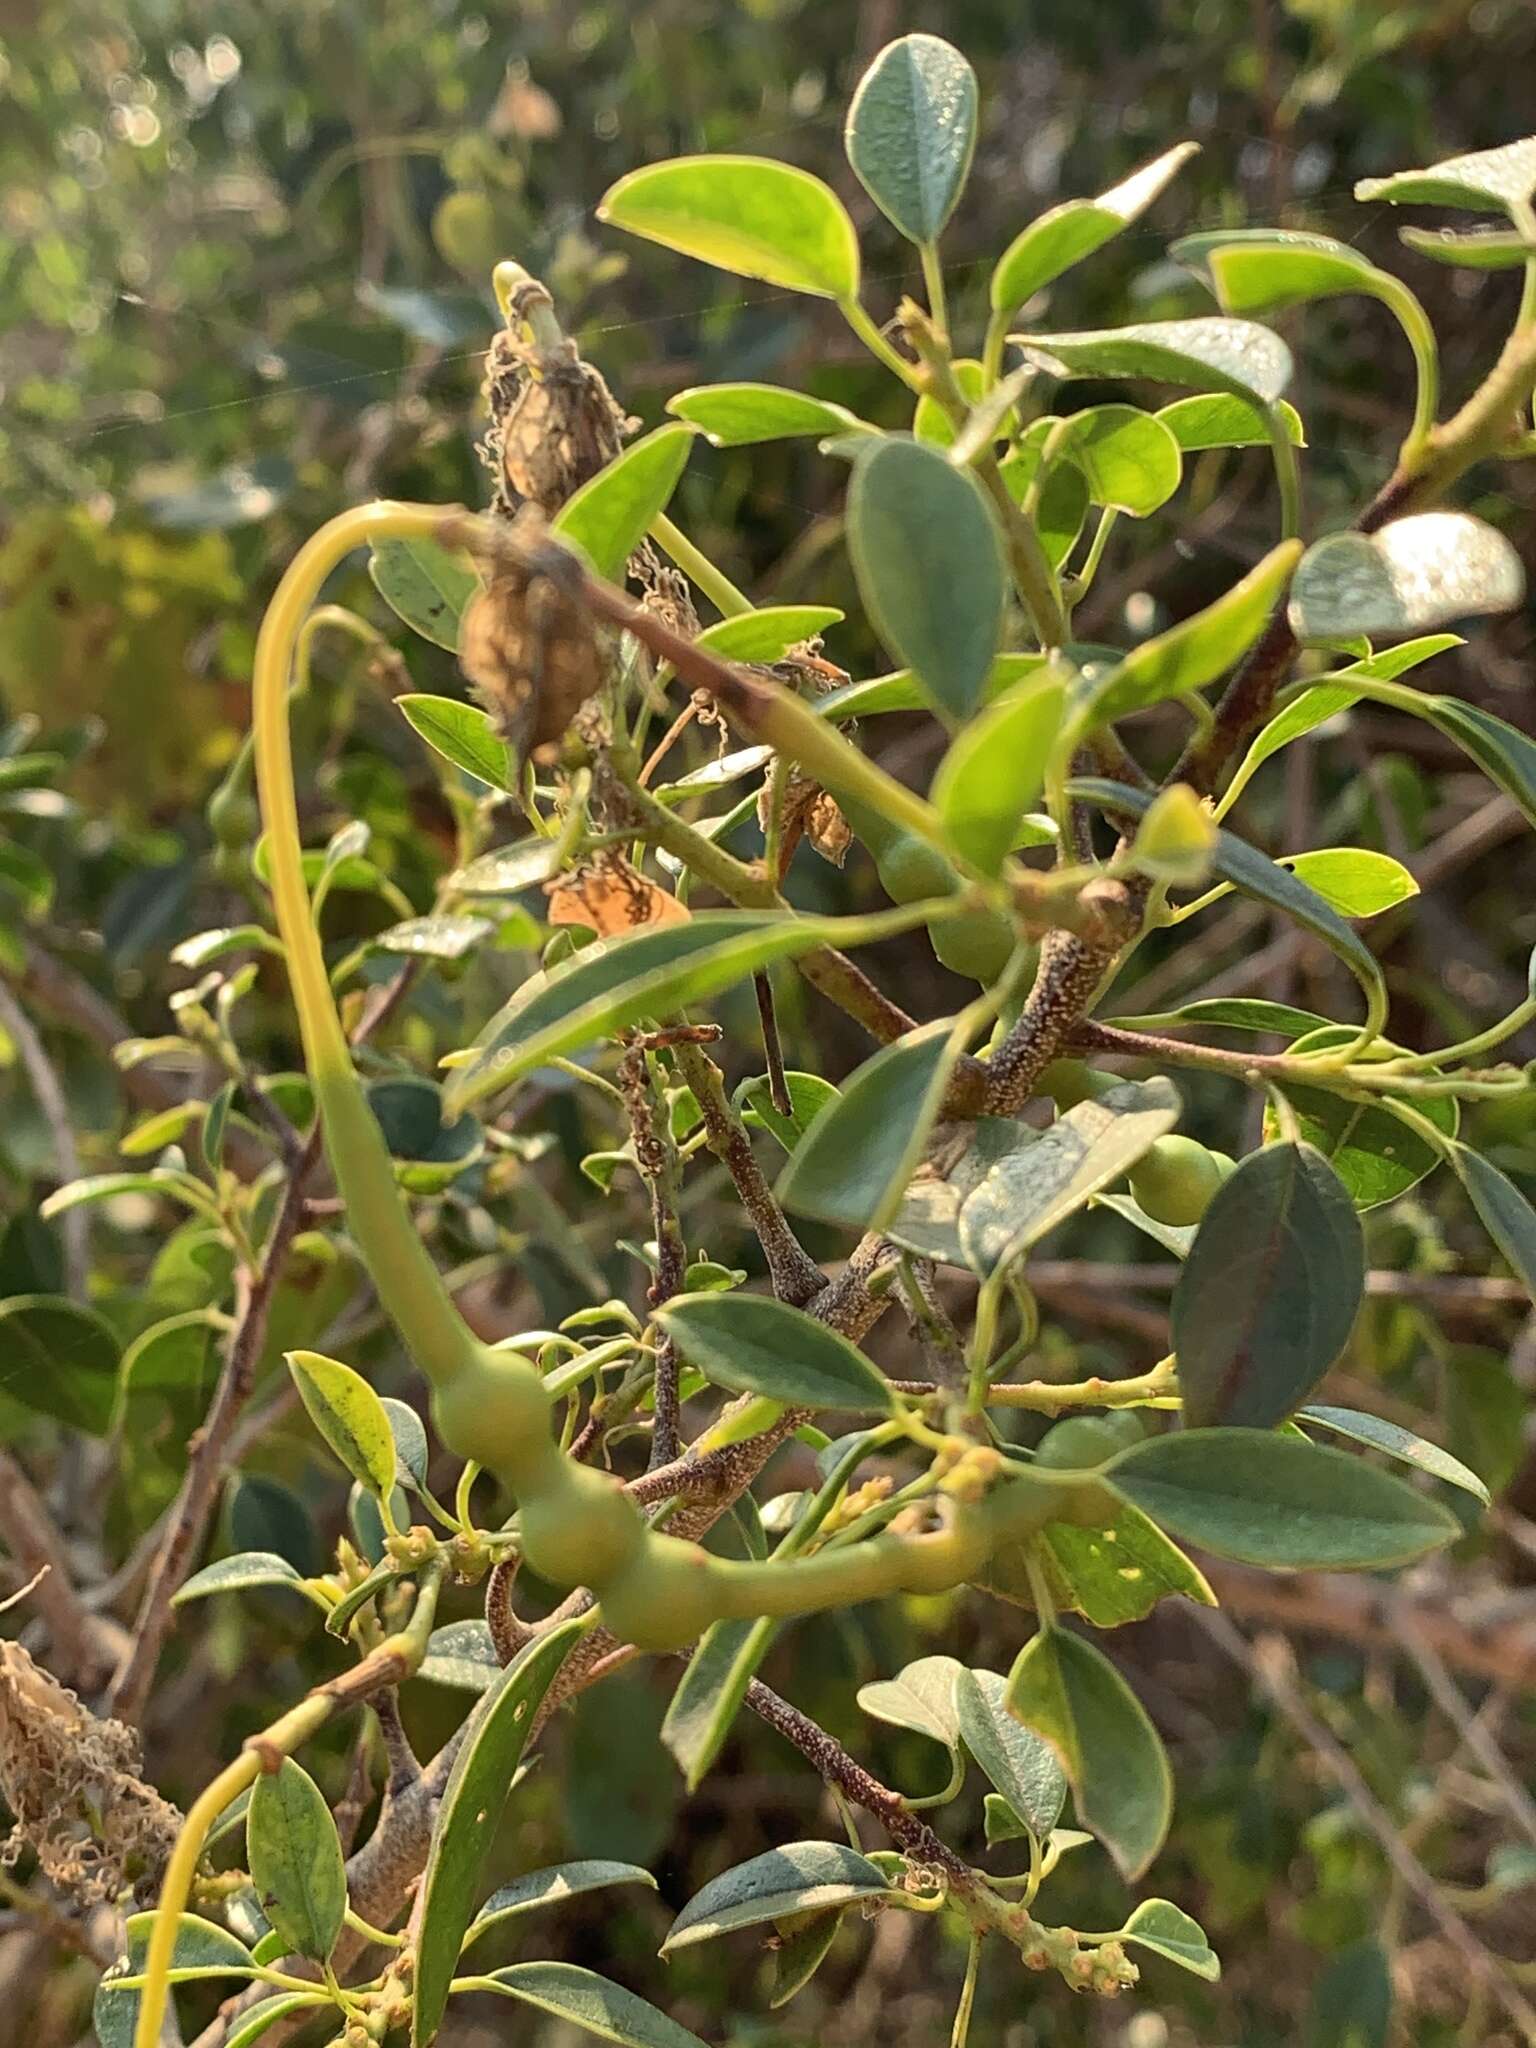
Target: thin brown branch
(1273, 1667)
(796, 1276)
(48, 1091)
(83, 1646)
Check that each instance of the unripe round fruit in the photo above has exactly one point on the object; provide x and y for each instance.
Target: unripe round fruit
(1225, 1163)
(1126, 1427)
(465, 231)
(495, 1410)
(1079, 1444)
(1175, 1180)
(980, 944)
(580, 1528)
(663, 1598)
(910, 869)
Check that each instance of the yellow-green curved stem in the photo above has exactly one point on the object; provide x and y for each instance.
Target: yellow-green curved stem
(408, 1283)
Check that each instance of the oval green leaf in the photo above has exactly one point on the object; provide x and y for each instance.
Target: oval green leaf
(1219, 421)
(744, 214)
(1130, 460)
(1206, 354)
(235, 1574)
(426, 585)
(552, 1887)
(768, 635)
(929, 563)
(296, 1861)
(61, 1359)
(200, 1945)
(1418, 572)
(800, 1877)
(1020, 1762)
(462, 734)
(583, 1999)
(995, 769)
(710, 1693)
(1266, 1300)
(607, 518)
(1485, 181)
(349, 1415)
(1070, 1696)
(753, 1344)
(470, 1815)
(615, 982)
(911, 133)
(1168, 1931)
(1030, 1190)
(737, 415)
(1356, 880)
(1068, 233)
(1399, 1443)
(1505, 1213)
(1279, 1501)
(853, 1164)
(922, 1697)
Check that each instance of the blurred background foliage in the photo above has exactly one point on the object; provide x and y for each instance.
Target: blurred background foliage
(244, 260)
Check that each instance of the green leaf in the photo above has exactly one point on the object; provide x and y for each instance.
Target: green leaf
(508, 870)
(1112, 1574)
(200, 1945)
(1480, 249)
(60, 1359)
(929, 563)
(803, 1945)
(103, 1187)
(1266, 1300)
(461, 1656)
(583, 1999)
(429, 1151)
(911, 133)
(923, 1697)
(1229, 1013)
(607, 518)
(1221, 421)
(801, 1877)
(1279, 1501)
(710, 1694)
(613, 983)
(552, 1887)
(767, 635)
(1070, 1696)
(1068, 233)
(1129, 458)
(462, 734)
(296, 1860)
(928, 1220)
(245, 2031)
(470, 1815)
(853, 1164)
(444, 935)
(1234, 357)
(235, 1574)
(901, 691)
(1198, 650)
(1486, 181)
(1256, 875)
(1504, 753)
(410, 1437)
(197, 952)
(1505, 1213)
(1397, 1442)
(1375, 1154)
(1028, 1192)
(1356, 880)
(737, 415)
(753, 1344)
(744, 214)
(349, 1415)
(995, 769)
(1167, 1930)
(426, 585)
(1416, 572)
(1266, 270)
(1020, 1763)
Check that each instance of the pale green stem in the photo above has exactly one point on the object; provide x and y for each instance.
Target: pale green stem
(933, 284)
(715, 584)
(877, 344)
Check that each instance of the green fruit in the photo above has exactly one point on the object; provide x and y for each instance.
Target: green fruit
(979, 944)
(464, 227)
(1175, 1180)
(1080, 1443)
(1069, 1082)
(1225, 1163)
(911, 869)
